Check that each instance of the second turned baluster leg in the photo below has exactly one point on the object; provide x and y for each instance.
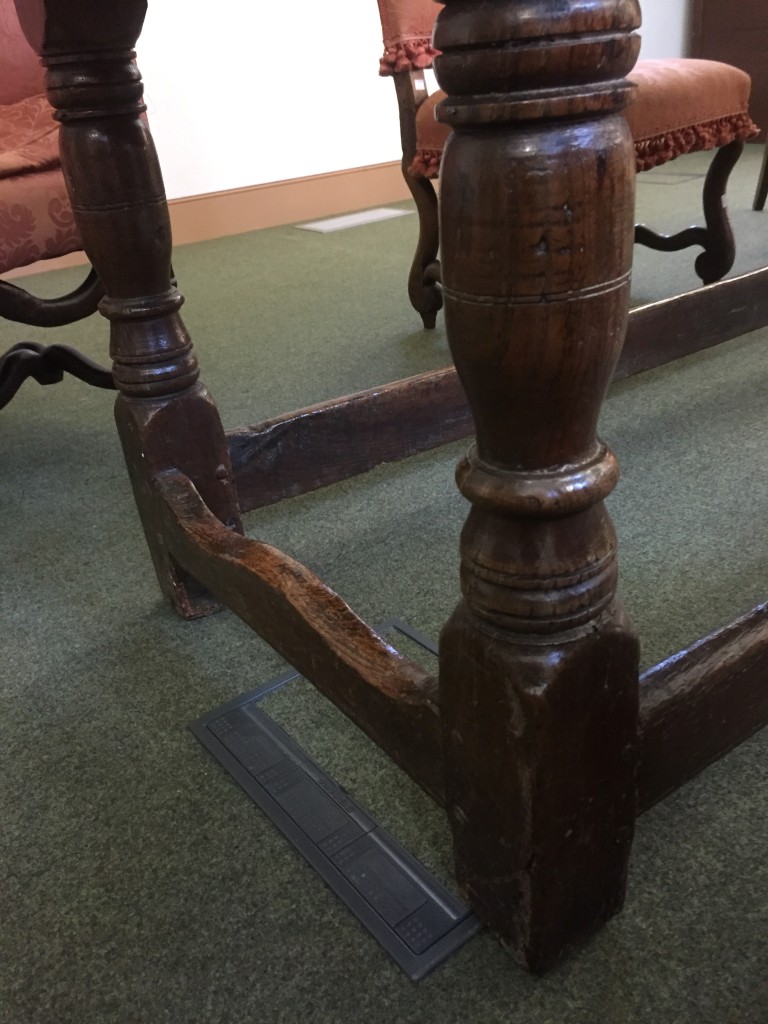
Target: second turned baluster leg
(538, 664)
(165, 416)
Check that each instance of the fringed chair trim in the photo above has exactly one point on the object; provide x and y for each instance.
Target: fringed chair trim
(650, 152)
(426, 163)
(407, 55)
(660, 149)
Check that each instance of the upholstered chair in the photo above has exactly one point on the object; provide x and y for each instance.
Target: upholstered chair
(36, 221)
(680, 106)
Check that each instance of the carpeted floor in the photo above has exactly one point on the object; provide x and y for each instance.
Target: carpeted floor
(138, 885)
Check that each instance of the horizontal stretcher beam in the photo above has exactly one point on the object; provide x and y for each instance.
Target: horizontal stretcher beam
(332, 441)
(701, 703)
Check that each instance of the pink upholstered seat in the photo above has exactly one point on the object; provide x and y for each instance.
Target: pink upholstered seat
(685, 105)
(680, 106)
(36, 220)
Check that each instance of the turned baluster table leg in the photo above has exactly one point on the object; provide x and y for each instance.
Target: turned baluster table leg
(539, 665)
(164, 415)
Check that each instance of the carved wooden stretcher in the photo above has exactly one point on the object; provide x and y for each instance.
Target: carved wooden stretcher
(538, 736)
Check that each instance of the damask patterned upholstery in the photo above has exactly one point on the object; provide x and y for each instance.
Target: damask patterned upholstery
(36, 220)
(21, 74)
(28, 137)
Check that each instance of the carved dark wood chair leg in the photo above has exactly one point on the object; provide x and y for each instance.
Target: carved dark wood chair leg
(47, 365)
(44, 364)
(761, 192)
(424, 278)
(23, 307)
(717, 237)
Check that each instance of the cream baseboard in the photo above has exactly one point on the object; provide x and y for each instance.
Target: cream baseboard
(233, 212)
(285, 202)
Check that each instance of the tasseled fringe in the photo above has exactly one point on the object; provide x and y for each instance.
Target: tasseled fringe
(407, 55)
(659, 149)
(652, 152)
(426, 163)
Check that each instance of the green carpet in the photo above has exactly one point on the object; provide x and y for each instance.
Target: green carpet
(138, 885)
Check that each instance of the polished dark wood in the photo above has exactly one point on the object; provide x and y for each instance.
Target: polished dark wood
(701, 703)
(23, 307)
(670, 329)
(538, 664)
(322, 444)
(390, 697)
(47, 365)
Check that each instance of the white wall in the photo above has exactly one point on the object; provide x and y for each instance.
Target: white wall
(665, 28)
(263, 92)
(241, 93)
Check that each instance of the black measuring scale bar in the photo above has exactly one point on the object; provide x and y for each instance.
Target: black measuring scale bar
(415, 918)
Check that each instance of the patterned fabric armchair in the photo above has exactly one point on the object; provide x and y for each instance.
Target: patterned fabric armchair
(36, 220)
(680, 106)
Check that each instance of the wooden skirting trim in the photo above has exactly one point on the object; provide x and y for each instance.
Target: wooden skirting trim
(285, 202)
(237, 210)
